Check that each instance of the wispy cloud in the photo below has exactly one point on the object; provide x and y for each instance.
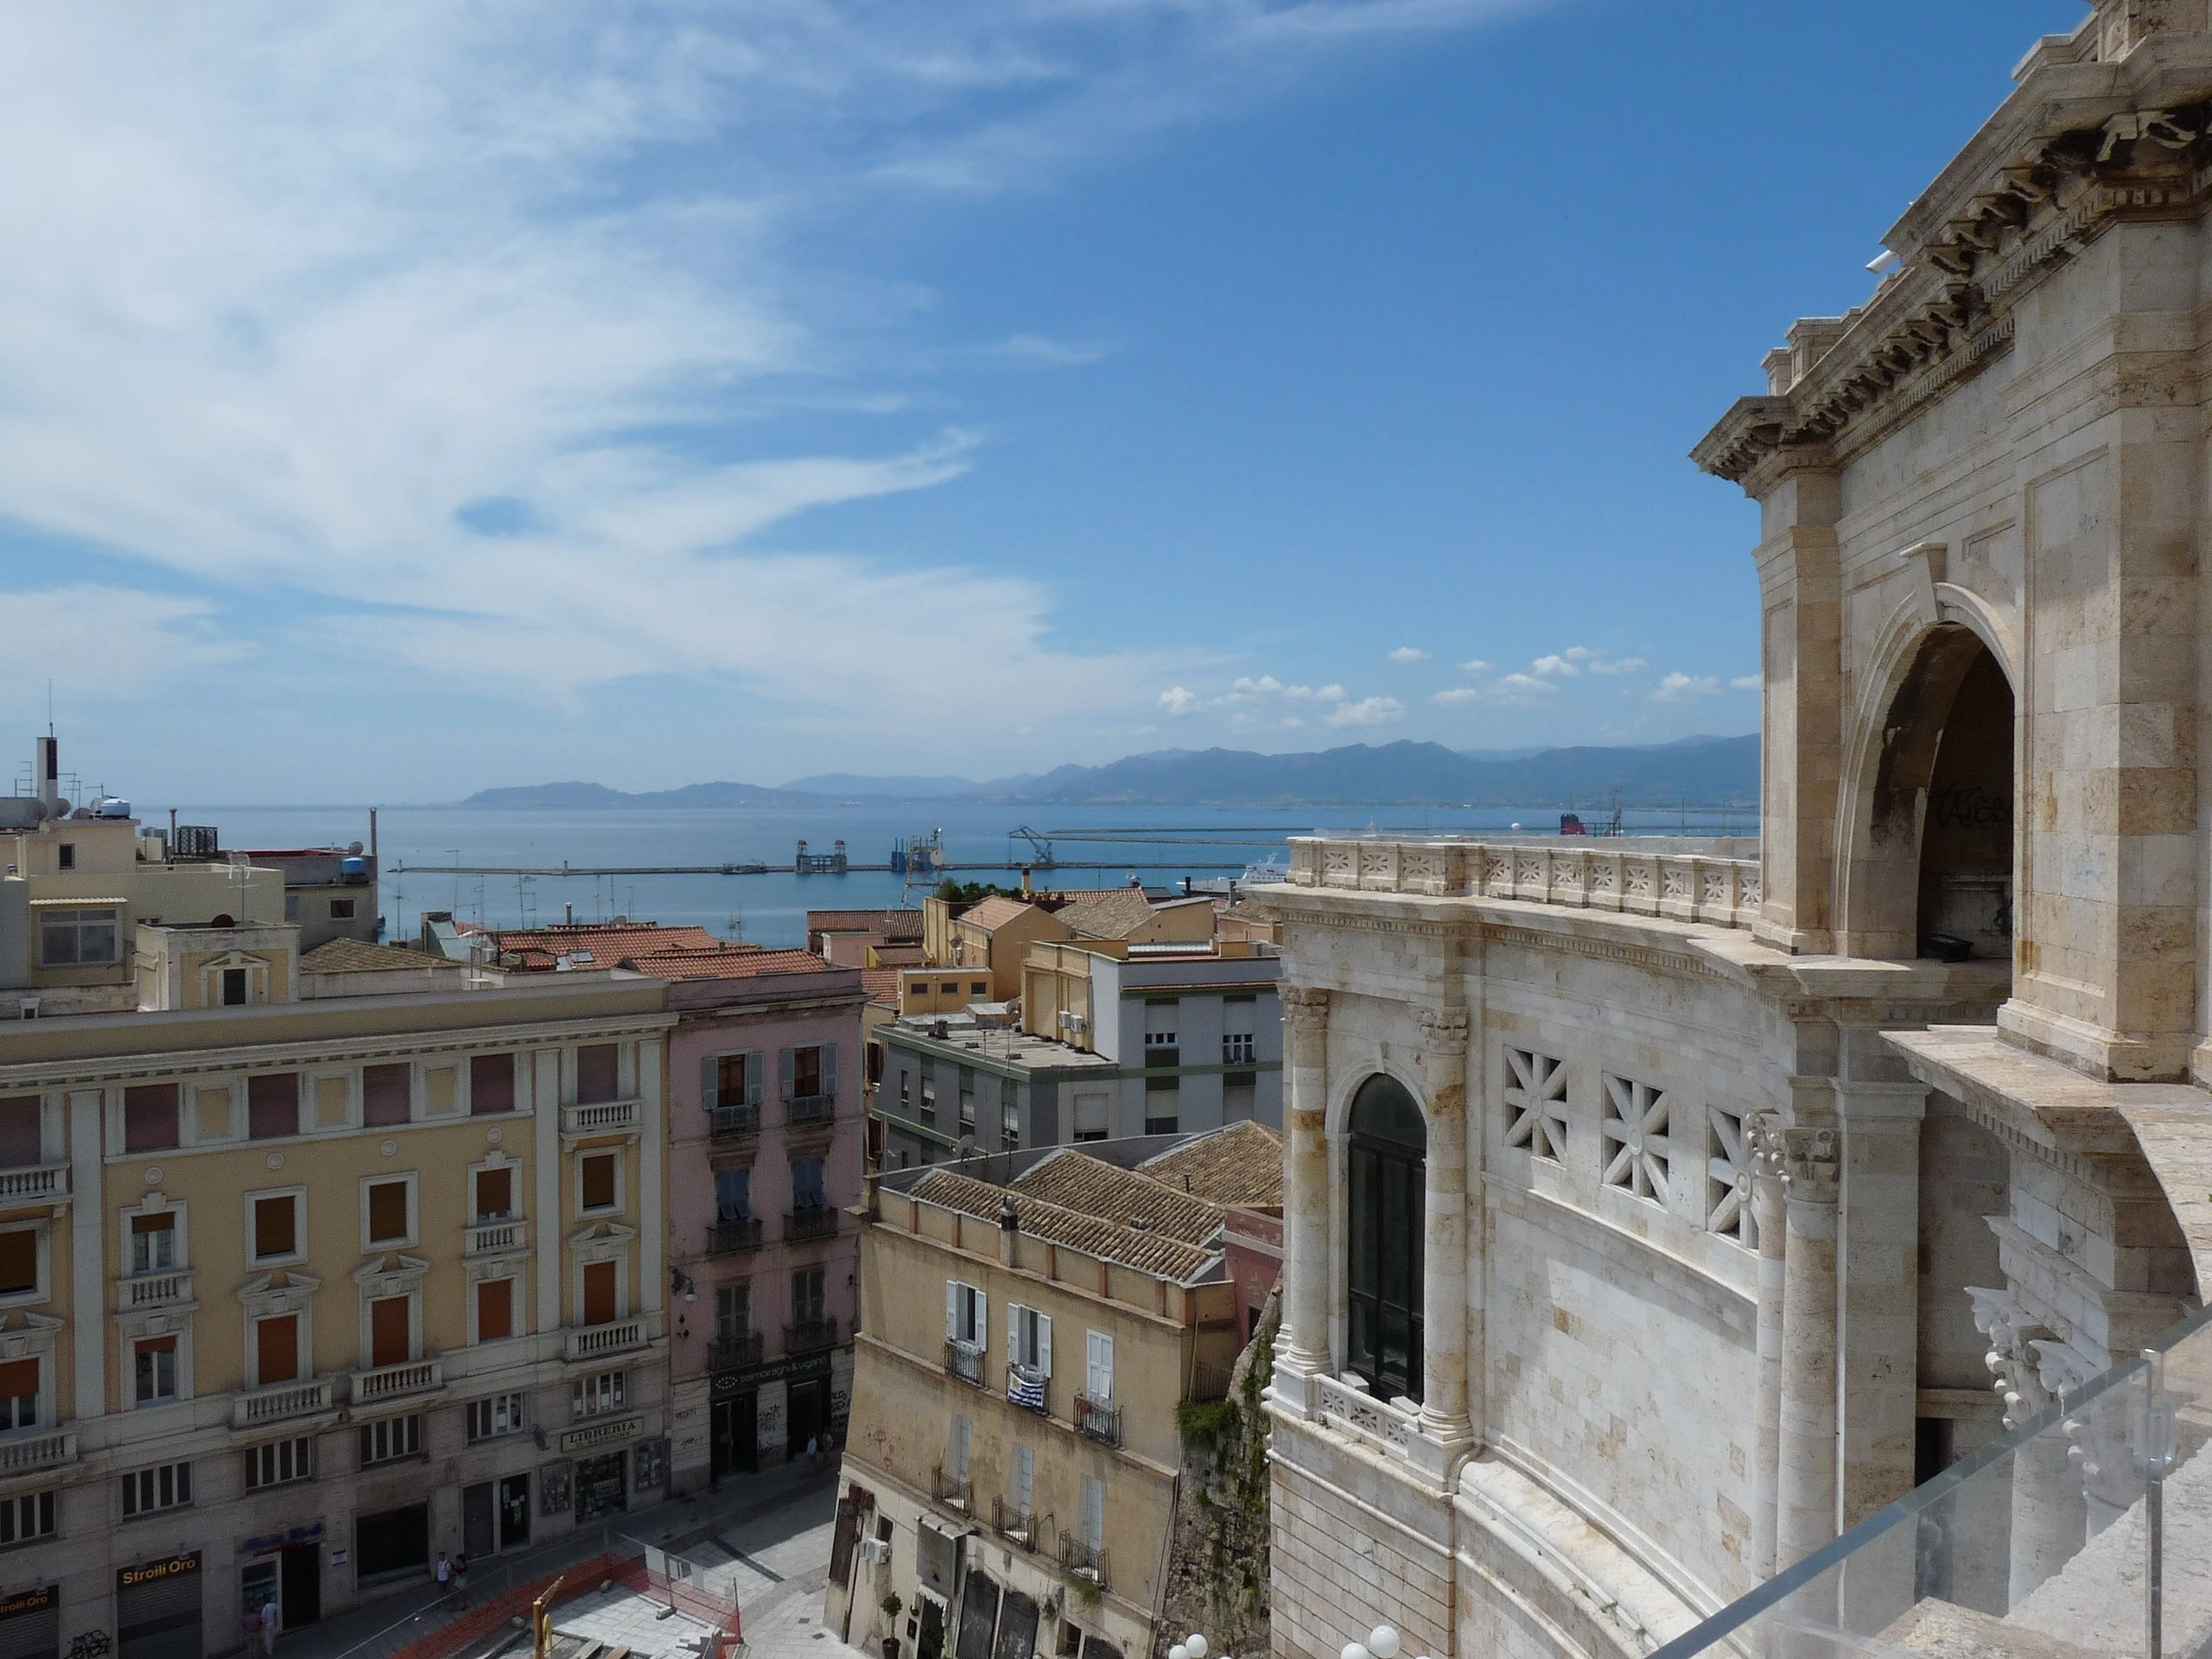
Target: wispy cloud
(1476, 666)
(1618, 665)
(1556, 667)
(1684, 688)
(1408, 654)
(1368, 711)
(1746, 683)
(1180, 701)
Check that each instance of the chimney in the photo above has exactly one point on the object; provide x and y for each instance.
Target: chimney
(47, 774)
(1025, 882)
(1009, 1230)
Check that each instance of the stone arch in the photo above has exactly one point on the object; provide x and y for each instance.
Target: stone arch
(1385, 1146)
(1930, 779)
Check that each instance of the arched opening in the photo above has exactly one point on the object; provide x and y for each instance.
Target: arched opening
(1934, 876)
(1384, 1211)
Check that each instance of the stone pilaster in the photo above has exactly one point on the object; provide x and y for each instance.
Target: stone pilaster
(1763, 1146)
(1445, 1426)
(1879, 1270)
(1304, 1348)
(2049, 1519)
(1805, 1507)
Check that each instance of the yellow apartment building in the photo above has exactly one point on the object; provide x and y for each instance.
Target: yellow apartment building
(1029, 1323)
(295, 1293)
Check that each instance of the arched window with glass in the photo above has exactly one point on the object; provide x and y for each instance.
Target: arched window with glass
(1384, 1209)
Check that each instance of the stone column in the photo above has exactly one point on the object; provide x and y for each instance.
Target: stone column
(2049, 1519)
(1763, 1147)
(1805, 1508)
(1304, 1348)
(1443, 1422)
(1878, 1268)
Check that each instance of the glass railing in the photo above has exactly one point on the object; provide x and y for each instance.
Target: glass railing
(2086, 1530)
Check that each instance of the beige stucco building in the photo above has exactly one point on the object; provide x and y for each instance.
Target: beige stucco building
(1656, 1211)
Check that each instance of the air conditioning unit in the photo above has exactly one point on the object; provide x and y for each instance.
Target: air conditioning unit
(876, 1551)
(1067, 1020)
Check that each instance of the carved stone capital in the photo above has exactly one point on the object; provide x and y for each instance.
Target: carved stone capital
(1305, 1023)
(1812, 1162)
(1443, 1031)
(2014, 1362)
(1763, 1147)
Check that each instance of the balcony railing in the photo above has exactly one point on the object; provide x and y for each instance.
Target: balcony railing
(1209, 1382)
(1161, 1054)
(1098, 1420)
(1025, 1389)
(963, 1360)
(809, 1335)
(390, 1382)
(602, 1117)
(1087, 1559)
(729, 1238)
(1023, 1526)
(816, 1221)
(810, 1109)
(146, 1290)
(1607, 875)
(735, 1120)
(951, 1490)
(590, 1341)
(734, 1353)
(39, 1183)
(35, 1452)
(273, 1405)
(507, 1236)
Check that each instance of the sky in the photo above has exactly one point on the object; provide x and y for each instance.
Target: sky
(403, 399)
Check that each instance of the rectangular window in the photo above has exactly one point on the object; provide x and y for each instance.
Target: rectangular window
(1239, 1021)
(280, 1463)
(19, 1132)
(967, 1098)
(599, 1300)
(500, 1415)
(733, 1195)
(495, 1194)
(1090, 1117)
(234, 988)
(341, 909)
(1030, 1333)
(979, 987)
(390, 1341)
(19, 1394)
(595, 1396)
(77, 939)
(491, 1084)
(1098, 1366)
(276, 1349)
(967, 1314)
(388, 1212)
(389, 1437)
(153, 1369)
(808, 1191)
(19, 1261)
(810, 1297)
(387, 1094)
(67, 855)
(1161, 1022)
(149, 1118)
(929, 1102)
(806, 1072)
(153, 1242)
(495, 1310)
(732, 1311)
(732, 1080)
(596, 1179)
(1025, 1480)
(275, 1226)
(272, 1106)
(24, 1518)
(1163, 1105)
(597, 1071)
(167, 1487)
(906, 1091)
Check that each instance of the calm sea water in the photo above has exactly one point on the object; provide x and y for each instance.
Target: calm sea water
(772, 909)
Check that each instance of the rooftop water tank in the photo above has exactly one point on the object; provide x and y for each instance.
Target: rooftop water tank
(111, 807)
(352, 869)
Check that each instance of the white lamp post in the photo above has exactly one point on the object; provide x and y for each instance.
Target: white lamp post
(1382, 1642)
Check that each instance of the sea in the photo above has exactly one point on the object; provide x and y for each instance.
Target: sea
(1104, 846)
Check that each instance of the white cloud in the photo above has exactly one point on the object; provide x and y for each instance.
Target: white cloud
(1476, 666)
(1368, 711)
(1746, 683)
(1408, 654)
(1457, 696)
(1520, 687)
(1684, 688)
(1180, 700)
(1618, 665)
(1582, 654)
(1330, 693)
(104, 645)
(1555, 665)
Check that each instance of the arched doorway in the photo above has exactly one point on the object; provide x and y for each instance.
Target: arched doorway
(1384, 1211)
(1932, 874)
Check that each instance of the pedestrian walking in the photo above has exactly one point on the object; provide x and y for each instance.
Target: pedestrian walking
(461, 1580)
(444, 1574)
(268, 1629)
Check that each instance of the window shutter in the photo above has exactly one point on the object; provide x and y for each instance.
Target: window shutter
(787, 1067)
(830, 1069)
(1098, 1365)
(707, 1069)
(1013, 1313)
(756, 1074)
(1025, 1479)
(951, 1309)
(1045, 1344)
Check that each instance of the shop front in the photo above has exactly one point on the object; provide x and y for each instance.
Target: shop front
(30, 1624)
(283, 1570)
(157, 1609)
(768, 1412)
(601, 1472)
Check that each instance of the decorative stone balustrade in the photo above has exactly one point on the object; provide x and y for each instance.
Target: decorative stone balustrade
(591, 1341)
(509, 1235)
(35, 1451)
(602, 1117)
(151, 1290)
(1359, 1414)
(389, 1382)
(40, 1184)
(273, 1405)
(1604, 874)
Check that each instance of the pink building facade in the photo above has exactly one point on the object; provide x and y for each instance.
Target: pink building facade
(767, 1131)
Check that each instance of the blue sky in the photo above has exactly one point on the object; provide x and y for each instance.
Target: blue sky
(398, 400)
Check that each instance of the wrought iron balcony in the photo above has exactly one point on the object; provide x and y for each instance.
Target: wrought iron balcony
(816, 1221)
(810, 1335)
(1098, 1420)
(963, 1360)
(810, 1109)
(255, 1406)
(1086, 1559)
(729, 1238)
(951, 1490)
(734, 1353)
(733, 1121)
(1023, 1526)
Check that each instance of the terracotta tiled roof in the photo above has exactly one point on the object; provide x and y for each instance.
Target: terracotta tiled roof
(881, 985)
(355, 957)
(994, 913)
(1238, 1163)
(892, 924)
(1077, 1181)
(730, 962)
(596, 944)
(1171, 1258)
(1111, 916)
(899, 956)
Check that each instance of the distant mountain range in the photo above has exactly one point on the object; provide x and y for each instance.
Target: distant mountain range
(1694, 771)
